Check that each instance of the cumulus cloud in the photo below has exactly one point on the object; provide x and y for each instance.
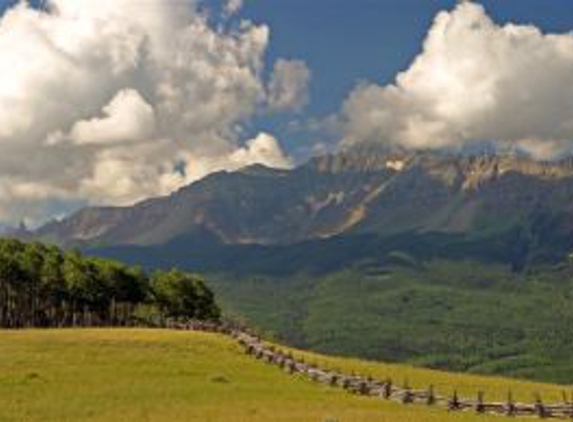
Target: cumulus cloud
(117, 100)
(474, 80)
(263, 149)
(126, 118)
(288, 88)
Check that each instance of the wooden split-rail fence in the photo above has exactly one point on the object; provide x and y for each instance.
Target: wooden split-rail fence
(368, 386)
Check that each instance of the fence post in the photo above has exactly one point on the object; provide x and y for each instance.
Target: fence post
(407, 398)
(510, 409)
(539, 407)
(568, 404)
(369, 380)
(387, 391)
(480, 408)
(431, 400)
(333, 380)
(454, 402)
(363, 388)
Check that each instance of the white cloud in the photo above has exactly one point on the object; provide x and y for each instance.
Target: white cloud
(288, 88)
(104, 102)
(126, 173)
(126, 118)
(263, 149)
(474, 80)
(118, 178)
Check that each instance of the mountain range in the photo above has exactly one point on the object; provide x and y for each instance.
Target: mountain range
(362, 193)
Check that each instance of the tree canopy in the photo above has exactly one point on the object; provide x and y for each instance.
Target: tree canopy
(42, 285)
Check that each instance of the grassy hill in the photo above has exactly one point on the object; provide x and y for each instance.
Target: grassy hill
(159, 375)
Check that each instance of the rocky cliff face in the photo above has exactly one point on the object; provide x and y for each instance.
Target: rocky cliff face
(361, 191)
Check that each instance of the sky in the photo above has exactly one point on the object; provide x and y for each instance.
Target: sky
(113, 101)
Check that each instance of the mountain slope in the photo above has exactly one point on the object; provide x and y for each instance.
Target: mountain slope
(251, 206)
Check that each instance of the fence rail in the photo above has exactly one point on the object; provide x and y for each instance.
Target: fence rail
(254, 346)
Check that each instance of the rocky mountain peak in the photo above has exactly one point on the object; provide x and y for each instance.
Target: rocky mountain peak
(363, 160)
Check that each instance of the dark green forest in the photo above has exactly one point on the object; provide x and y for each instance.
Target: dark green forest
(43, 286)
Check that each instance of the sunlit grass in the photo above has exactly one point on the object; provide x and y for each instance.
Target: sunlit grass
(156, 375)
(444, 383)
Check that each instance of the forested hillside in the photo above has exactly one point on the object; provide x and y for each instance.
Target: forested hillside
(44, 286)
(455, 315)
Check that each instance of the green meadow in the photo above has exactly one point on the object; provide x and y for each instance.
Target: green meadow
(160, 375)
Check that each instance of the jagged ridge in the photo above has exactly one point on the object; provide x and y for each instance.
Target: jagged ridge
(357, 191)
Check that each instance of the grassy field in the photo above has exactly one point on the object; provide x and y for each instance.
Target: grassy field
(156, 375)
